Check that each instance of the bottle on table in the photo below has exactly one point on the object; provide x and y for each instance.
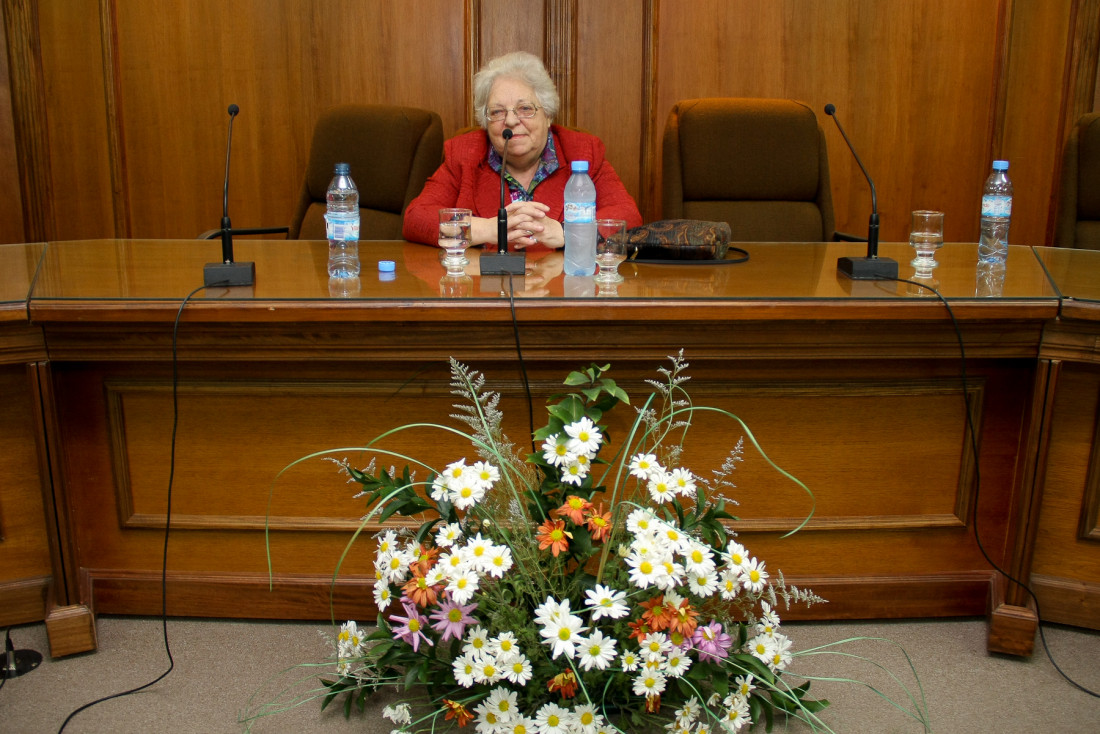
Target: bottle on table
(580, 222)
(342, 224)
(996, 213)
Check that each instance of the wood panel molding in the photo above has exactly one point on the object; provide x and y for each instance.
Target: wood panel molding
(561, 54)
(1090, 506)
(116, 137)
(28, 96)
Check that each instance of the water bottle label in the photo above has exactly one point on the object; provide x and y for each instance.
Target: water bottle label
(343, 227)
(996, 206)
(579, 213)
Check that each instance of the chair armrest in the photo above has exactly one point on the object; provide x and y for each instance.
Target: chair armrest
(845, 237)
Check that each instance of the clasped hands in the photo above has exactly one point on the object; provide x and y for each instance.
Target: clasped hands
(528, 224)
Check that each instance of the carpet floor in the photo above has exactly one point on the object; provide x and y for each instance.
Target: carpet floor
(226, 668)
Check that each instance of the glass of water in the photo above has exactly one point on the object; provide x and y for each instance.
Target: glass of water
(926, 236)
(454, 238)
(610, 249)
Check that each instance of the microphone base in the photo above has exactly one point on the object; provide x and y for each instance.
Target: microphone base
(503, 263)
(868, 268)
(228, 274)
(19, 662)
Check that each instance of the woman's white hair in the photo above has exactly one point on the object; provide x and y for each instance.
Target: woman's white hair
(523, 67)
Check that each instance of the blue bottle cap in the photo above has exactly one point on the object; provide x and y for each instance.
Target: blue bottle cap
(386, 266)
(579, 166)
(1000, 165)
(342, 169)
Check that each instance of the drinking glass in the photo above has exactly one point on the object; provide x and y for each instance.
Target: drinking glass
(610, 249)
(454, 285)
(926, 236)
(454, 238)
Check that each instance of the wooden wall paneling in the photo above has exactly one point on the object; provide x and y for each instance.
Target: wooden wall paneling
(899, 73)
(28, 94)
(79, 163)
(610, 66)
(11, 197)
(511, 25)
(561, 54)
(1033, 115)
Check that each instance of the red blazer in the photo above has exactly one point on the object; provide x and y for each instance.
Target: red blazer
(465, 180)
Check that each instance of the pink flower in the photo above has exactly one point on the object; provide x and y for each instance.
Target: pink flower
(451, 619)
(711, 642)
(412, 625)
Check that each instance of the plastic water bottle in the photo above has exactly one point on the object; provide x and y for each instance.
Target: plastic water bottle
(342, 224)
(580, 222)
(996, 212)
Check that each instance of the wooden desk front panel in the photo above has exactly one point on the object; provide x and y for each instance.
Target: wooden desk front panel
(880, 438)
(25, 563)
(1065, 571)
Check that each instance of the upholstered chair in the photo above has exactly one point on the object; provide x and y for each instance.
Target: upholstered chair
(391, 150)
(1078, 223)
(759, 164)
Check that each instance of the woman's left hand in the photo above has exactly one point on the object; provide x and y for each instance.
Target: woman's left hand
(529, 224)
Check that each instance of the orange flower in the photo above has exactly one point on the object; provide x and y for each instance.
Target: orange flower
(599, 523)
(419, 590)
(457, 711)
(552, 535)
(683, 619)
(639, 629)
(574, 508)
(426, 558)
(653, 704)
(565, 683)
(656, 614)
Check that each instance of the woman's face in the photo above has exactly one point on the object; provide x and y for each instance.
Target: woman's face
(528, 136)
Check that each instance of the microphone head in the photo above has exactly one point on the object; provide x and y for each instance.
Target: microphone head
(830, 109)
(233, 110)
(507, 133)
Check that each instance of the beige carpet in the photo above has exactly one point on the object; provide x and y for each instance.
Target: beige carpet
(220, 664)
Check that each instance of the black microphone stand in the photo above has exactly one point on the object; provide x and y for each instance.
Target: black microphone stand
(227, 272)
(14, 663)
(503, 262)
(871, 267)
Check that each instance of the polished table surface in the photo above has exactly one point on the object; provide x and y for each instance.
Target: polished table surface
(778, 281)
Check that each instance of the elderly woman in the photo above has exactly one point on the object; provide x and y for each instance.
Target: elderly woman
(514, 92)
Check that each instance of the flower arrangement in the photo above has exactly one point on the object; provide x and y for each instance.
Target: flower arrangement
(580, 589)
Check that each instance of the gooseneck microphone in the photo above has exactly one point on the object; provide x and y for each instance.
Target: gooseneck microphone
(227, 272)
(502, 215)
(871, 267)
(227, 227)
(503, 262)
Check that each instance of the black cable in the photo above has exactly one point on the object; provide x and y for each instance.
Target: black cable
(522, 365)
(167, 522)
(978, 485)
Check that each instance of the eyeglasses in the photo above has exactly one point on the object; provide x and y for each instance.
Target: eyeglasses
(523, 111)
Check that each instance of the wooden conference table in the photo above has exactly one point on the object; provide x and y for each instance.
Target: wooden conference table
(854, 387)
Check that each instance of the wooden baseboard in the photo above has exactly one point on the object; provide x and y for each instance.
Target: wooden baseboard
(1067, 601)
(24, 601)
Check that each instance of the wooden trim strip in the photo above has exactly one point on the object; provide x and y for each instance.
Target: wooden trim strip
(116, 137)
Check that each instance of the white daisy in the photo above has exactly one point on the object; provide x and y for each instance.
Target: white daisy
(463, 668)
(586, 720)
(463, 585)
(603, 601)
(398, 714)
(677, 663)
(563, 635)
(642, 464)
(737, 553)
(553, 719)
(383, 595)
(683, 482)
(555, 451)
(729, 583)
(503, 644)
(503, 702)
(660, 487)
(448, 535)
(702, 584)
(584, 437)
(597, 651)
(649, 684)
(629, 660)
(486, 473)
(517, 669)
(500, 561)
(574, 472)
(753, 576)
